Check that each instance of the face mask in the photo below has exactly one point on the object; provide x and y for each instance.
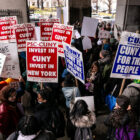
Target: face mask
(40, 102)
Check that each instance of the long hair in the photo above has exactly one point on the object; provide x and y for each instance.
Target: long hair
(80, 109)
(119, 113)
(5, 93)
(95, 63)
(28, 125)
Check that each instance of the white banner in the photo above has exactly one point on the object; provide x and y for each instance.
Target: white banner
(2, 60)
(89, 100)
(89, 26)
(86, 43)
(11, 67)
(104, 34)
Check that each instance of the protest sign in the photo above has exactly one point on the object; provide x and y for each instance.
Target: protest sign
(89, 26)
(61, 33)
(42, 61)
(37, 32)
(127, 61)
(6, 29)
(76, 34)
(11, 66)
(46, 26)
(2, 60)
(86, 43)
(89, 100)
(74, 62)
(104, 34)
(23, 33)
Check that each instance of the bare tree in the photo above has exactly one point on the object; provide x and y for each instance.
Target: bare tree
(109, 4)
(96, 2)
(58, 1)
(42, 4)
(38, 3)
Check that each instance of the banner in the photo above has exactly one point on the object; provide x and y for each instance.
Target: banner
(11, 67)
(76, 34)
(74, 62)
(6, 29)
(46, 26)
(103, 34)
(89, 100)
(42, 61)
(86, 43)
(61, 33)
(2, 60)
(89, 27)
(37, 32)
(23, 33)
(127, 61)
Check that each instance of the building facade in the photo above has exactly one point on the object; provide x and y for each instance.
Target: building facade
(14, 8)
(46, 3)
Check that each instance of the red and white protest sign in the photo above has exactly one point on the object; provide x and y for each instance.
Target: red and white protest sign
(46, 26)
(62, 33)
(23, 33)
(6, 29)
(42, 61)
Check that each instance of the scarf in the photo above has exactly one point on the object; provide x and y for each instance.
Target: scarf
(23, 137)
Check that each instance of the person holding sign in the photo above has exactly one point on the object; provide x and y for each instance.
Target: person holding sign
(94, 85)
(10, 110)
(121, 122)
(48, 113)
(83, 121)
(69, 90)
(132, 91)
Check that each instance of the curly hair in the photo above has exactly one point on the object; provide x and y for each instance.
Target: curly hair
(5, 93)
(119, 114)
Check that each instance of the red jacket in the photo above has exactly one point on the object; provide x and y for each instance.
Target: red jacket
(2, 84)
(9, 118)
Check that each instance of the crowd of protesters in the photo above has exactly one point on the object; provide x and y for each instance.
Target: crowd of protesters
(49, 111)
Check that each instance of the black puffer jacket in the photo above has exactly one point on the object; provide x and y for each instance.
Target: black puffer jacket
(50, 118)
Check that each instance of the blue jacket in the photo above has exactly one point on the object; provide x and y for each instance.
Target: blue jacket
(70, 93)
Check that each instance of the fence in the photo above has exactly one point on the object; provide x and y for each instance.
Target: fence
(12, 12)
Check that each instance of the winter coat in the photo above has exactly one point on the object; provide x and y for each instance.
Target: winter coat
(42, 135)
(84, 121)
(116, 133)
(70, 93)
(102, 62)
(9, 118)
(82, 125)
(131, 91)
(97, 81)
(50, 118)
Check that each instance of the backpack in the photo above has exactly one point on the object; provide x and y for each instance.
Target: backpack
(83, 134)
(125, 133)
(57, 123)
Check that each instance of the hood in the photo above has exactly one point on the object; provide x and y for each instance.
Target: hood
(134, 85)
(23, 137)
(85, 121)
